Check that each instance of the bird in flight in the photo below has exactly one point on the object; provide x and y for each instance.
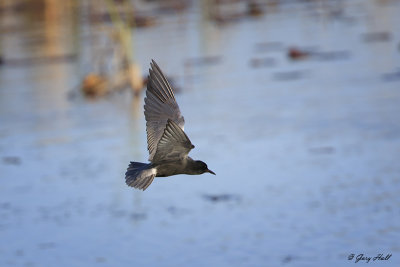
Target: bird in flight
(167, 143)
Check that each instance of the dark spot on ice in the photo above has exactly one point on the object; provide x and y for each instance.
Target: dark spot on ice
(332, 55)
(5, 205)
(376, 37)
(19, 252)
(138, 216)
(203, 61)
(222, 198)
(287, 259)
(289, 75)
(262, 62)
(12, 160)
(35, 60)
(46, 245)
(268, 46)
(101, 259)
(176, 211)
(118, 213)
(322, 150)
(392, 76)
(314, 204)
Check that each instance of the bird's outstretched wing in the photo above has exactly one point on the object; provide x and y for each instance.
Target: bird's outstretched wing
(160, 106)
(174, 144)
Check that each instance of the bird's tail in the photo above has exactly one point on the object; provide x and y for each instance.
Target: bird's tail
(139, 175)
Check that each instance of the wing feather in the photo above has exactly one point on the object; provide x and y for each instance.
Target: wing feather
(160, 106)
(174, 144)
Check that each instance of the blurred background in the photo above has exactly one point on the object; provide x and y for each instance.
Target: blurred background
(293, 103)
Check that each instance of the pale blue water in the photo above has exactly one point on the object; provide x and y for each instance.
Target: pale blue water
(306, 152)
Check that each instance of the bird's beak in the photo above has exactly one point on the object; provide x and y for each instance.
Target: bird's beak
(210, 171)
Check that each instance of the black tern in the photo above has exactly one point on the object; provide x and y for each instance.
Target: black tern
(167, 142)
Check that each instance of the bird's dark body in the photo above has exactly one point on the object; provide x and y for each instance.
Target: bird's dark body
(165, 169)
(183, 166)
(168, 144)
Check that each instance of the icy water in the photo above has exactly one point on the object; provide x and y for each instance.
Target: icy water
(306, 151)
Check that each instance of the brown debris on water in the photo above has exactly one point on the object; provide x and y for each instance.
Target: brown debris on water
(143, 21)
(129, 16)
(172, 6)
(295, 53)
(224, 12)
(254, 9)
(94, 85)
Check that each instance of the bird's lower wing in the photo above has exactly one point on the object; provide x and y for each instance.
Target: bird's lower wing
(174, 144)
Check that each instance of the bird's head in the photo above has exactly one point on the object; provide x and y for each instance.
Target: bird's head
(201, 167)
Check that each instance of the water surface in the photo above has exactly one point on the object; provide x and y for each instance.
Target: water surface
(306, 151)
